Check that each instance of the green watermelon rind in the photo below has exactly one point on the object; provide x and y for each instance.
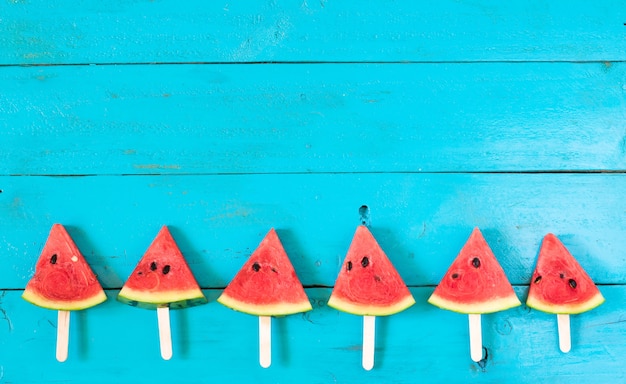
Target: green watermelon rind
(368, 309)
(491, 306)
(275, 309)
(75, 305)
(154, 300)
(182, 292)
(565, 309)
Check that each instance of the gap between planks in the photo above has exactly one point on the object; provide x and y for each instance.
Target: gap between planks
(313, 62)
(501, 172)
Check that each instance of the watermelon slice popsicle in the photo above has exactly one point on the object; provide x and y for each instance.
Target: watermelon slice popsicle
(559, 285)
(63, 281)
(368, 285)
(162, 280)
(475, 284)
(266, 286)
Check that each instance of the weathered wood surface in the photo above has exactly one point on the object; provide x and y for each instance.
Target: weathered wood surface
(214, 343)
(90, 31)
(313, 118)
(421, 221)
(223, 120)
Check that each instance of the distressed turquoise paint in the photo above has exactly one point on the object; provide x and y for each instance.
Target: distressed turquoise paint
(212, 342)
(312, 118)
(421, 221)
(439, 117)
(89, 31)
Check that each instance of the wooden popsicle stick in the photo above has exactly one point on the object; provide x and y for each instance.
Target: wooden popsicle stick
(476, 337)
(265, 341)
(63, 335)
(565, 340)
(369, 342)
(165, 333)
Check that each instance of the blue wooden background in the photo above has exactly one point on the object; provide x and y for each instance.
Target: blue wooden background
(224, 119)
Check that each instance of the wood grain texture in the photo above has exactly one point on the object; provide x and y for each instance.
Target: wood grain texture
(182, 119)
(222, 120)
(212, 342)
(89, 31)
(421, 221)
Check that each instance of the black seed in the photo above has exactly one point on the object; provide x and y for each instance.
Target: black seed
(153, 266)
(572, 283)
(476, 262)
(53, 259)
(365, 262)
(455, 275)
(349, 265)
(537, 280)
(561, 275)
(166, 269)
(140, 273)
(274, 270)
(256, 267)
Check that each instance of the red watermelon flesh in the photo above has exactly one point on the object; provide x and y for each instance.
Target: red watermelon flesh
(475, 282)
(368, 284)
(267, 284)
(162, 278)
(63, 280)
(559, 284)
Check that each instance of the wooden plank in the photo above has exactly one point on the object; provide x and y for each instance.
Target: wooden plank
(145, 31)
(312, 118)
(420, 220)
(117, 343)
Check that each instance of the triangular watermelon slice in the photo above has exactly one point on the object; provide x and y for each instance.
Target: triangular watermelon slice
(368, 284)
(475, 282)
(162, 278)
(267, 284)
(559, 284)
(63, 280)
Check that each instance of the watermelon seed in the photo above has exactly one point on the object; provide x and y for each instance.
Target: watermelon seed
(274, 270)
(53, 259)
(153, 266)
(455, 275)
(365, 262)
(537, 280)
(377, 278)
(349, 265)
(256, 267)
(140, 273)
(561, 275)
(476, 262)
(572, 283)
(166, 269)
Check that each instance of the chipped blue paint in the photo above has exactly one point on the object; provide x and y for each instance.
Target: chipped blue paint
(222, 120)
